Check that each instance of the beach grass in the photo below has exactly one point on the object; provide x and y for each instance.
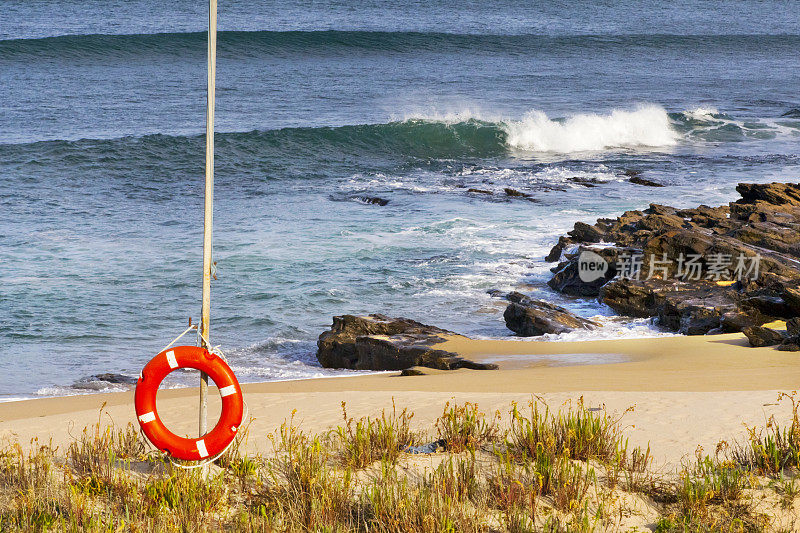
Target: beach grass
(533, 468)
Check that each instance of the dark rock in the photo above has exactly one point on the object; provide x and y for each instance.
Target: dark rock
(761, 336)
(114, 378)
(480, 191)
(642, 181)
(412, 372)
(634, 297)
(734, 321)
(567, 278)
(586, 182)
(519, 194)
(697, 313)
(792, 113)
(102, 381)
(791, 296)
(528, 317)
(377, 342)
(762, 228)
(558, 249)
(585, 233)
(767, 305)
(371, 200)
(793, 327)
(791, 343)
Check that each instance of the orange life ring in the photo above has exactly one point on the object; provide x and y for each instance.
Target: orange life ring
(162, 438)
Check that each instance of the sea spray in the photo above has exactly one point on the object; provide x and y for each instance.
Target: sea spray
(646, 126)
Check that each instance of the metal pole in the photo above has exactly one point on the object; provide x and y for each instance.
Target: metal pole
(209, 205)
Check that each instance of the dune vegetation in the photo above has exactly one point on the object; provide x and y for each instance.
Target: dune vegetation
(533, 468)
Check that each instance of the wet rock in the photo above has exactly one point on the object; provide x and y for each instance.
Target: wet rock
(761, 336)
(528, 317)
(480, 191)
(762, 228)
(371, 200)
(514, 192)
(519, 194)
(585, 233)
(642, 181)
(586, 182)
(567, 275)
(102, 381)
(377, 342)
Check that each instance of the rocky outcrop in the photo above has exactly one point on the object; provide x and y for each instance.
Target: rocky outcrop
(567, 277)
(763, 228)
(377, 342)
(528, 317)
(642, 181)
(759, 336)
(371, 200)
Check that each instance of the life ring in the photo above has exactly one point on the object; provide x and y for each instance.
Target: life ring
(218, 370)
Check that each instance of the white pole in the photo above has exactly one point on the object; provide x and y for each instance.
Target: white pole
(209, 205)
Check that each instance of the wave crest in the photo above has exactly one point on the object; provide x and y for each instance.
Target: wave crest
(646, 126)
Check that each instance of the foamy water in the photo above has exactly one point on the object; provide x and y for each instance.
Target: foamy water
(644, 127)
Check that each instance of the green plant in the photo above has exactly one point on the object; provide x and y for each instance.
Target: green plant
(771, 450)
(575, 433)
(367, 440)
(464, 427)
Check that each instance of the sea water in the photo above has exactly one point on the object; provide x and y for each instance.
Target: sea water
(318, 104)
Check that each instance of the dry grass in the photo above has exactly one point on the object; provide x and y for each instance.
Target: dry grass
(539, 470)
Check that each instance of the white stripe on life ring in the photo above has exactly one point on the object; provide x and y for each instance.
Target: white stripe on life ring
(201, 447)
(147, 417)
(227, 391)
(171, 361)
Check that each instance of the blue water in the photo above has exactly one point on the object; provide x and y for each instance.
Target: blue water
(101, 161)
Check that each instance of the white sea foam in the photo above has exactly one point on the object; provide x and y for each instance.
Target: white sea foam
(646, 126)
(701, 113)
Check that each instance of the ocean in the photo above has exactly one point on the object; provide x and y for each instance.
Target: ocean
(321, 104)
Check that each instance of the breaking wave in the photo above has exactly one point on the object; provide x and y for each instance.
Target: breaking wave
(648, 127)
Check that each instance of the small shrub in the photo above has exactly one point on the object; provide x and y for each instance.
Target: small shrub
(774, 449)
(465, 427)
(367, 440)
(574, 433)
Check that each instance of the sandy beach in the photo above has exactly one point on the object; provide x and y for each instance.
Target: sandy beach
(686, 392)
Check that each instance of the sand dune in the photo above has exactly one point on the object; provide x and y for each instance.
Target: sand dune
(687, 391)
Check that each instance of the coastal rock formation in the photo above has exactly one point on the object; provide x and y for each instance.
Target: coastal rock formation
(371, 200)
(377, 342)
(760, 336)
(528, 317)
(792, 341)
(642, 181)
(701, 270)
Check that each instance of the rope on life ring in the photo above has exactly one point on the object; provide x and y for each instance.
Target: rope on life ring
(212, 443)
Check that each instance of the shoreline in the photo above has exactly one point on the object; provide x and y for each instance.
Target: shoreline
(684, 395)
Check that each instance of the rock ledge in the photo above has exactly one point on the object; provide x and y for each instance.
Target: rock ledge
(378, 342)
